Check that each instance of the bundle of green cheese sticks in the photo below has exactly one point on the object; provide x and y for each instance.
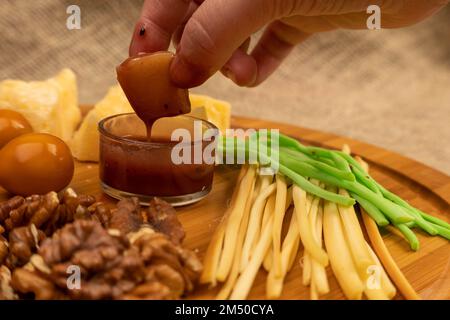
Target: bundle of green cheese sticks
(338, 169)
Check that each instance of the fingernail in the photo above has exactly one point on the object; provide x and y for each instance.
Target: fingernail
(186, 75)
(229, 74)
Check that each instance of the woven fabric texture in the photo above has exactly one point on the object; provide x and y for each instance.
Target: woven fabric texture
(389, 87)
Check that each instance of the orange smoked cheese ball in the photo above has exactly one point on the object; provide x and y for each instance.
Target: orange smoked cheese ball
(12, 125)
(35, 163)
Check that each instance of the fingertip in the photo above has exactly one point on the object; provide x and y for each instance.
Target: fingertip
(156, 24)
(241, 68)
(133, 48)
(147, 38)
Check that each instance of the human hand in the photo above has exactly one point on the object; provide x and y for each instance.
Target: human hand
(213, 35)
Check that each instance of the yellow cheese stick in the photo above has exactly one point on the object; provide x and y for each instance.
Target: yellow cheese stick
(266, 180)
(274, 285)
(313, 294)
(355, 238)
(212, 256)
(310, 245)
(245, 281)
(318, 272)
(386, 283)
(234, 222)
(254, 225)
(340, 257)
(268, 211)
(306, 268)
(280, 209)
(365, 265)
(309, 270)
(291, 243)
(306, 259)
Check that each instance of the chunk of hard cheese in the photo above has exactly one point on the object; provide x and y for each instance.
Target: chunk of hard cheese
(85, 143)
(51, 106)
(218, 112)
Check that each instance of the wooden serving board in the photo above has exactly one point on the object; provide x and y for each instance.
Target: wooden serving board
(428, 270)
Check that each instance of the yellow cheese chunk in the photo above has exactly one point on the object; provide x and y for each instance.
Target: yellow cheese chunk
(85, 143)
(217, 112)
(51, 106)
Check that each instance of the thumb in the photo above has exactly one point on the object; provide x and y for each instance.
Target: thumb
(214, 32)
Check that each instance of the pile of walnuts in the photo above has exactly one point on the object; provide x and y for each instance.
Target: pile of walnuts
(76, 248)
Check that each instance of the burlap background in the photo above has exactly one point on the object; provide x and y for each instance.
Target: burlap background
(390, 88)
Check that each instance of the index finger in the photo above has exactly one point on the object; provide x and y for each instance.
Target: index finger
(158, 21)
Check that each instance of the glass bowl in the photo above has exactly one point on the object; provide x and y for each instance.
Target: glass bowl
(177, 165)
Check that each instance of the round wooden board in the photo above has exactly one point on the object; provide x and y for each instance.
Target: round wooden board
(428, 270)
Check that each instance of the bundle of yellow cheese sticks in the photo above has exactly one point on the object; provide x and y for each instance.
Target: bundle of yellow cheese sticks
(268, 222)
